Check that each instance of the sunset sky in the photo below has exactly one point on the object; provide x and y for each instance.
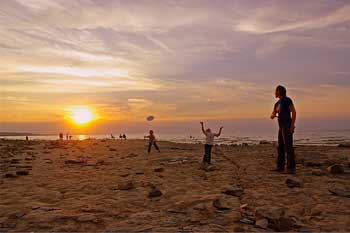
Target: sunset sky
(176, 60)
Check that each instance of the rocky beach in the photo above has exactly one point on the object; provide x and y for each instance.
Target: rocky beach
(114, 185)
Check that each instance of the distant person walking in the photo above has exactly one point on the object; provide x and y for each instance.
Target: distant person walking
(152, 141)
(61, 136)
(124, 136)
(284, 110)
(209, 142)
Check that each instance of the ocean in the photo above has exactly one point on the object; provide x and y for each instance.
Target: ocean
(325, 138)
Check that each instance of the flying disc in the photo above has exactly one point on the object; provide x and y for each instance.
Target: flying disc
(150, 118)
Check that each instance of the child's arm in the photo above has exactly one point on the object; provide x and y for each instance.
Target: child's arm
(202, 124)
(146, 136)
(218, 134)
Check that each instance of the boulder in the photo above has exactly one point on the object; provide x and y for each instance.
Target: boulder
(294, 182)
(126, 186)
(155, 192)
(336, 169)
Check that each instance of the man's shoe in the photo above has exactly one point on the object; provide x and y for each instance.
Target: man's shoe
(277, 170)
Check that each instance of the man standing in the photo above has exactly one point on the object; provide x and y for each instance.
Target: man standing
(282, 110)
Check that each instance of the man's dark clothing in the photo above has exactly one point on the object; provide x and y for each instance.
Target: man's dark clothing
(207, 153)
(285, 136)
(283, 107)
(150, 146)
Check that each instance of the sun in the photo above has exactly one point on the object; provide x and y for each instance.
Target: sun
(81, 115)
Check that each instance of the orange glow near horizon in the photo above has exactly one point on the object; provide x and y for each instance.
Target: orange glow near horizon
(81, 115)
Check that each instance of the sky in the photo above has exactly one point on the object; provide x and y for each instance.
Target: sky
(177, 60)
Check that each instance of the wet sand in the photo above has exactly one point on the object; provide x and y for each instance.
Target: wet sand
(113, 185)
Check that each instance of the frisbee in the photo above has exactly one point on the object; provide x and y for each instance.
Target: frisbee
(150, 118)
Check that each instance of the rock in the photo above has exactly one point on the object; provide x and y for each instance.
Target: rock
(313, 164)
(344, 145)
(112, 149)
(339, 191)
(317, 173)
(264, 142)
(15, 161)
(336, 169)
(294, 182)
(247, 220)
(71, 161)
(22, 173)
(221, 204)
(160, 169)
(155, 192)
(270, 213)
(126, 186)
(329, 162)
(236, 191)
(10, 175)
(262, 223)
(283, 224)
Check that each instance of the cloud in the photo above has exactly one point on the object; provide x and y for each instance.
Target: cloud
(70, 71)
(339, 16)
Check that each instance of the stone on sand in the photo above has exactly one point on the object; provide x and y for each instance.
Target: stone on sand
(235, 191)
(159, 169)
(126, 185)
(155, 192)
(294, 182)
(262, 223)
(336, 169)
(22, 173)
(317, 172)
(339, 191)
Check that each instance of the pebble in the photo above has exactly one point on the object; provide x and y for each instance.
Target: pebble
(22, 173)
(294, 182)
(126, 186)
(336, 169)
(237, 192)
(160, 169)
(155, 192)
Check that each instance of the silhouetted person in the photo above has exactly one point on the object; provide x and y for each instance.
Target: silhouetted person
(61, 136)
(67, 136)
(70, 137)
(285, 111)
(124, 136)
(209, 142)
(152, 141)
(112, 136)
(120, 136)
(27, 139)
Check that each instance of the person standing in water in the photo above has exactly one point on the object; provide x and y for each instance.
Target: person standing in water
(285, 111)
(152, 141)
(209, 142)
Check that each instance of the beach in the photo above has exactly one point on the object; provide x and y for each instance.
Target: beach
(114, 185)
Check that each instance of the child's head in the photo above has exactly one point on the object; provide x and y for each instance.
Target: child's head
(208, 130)
(151, 132)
